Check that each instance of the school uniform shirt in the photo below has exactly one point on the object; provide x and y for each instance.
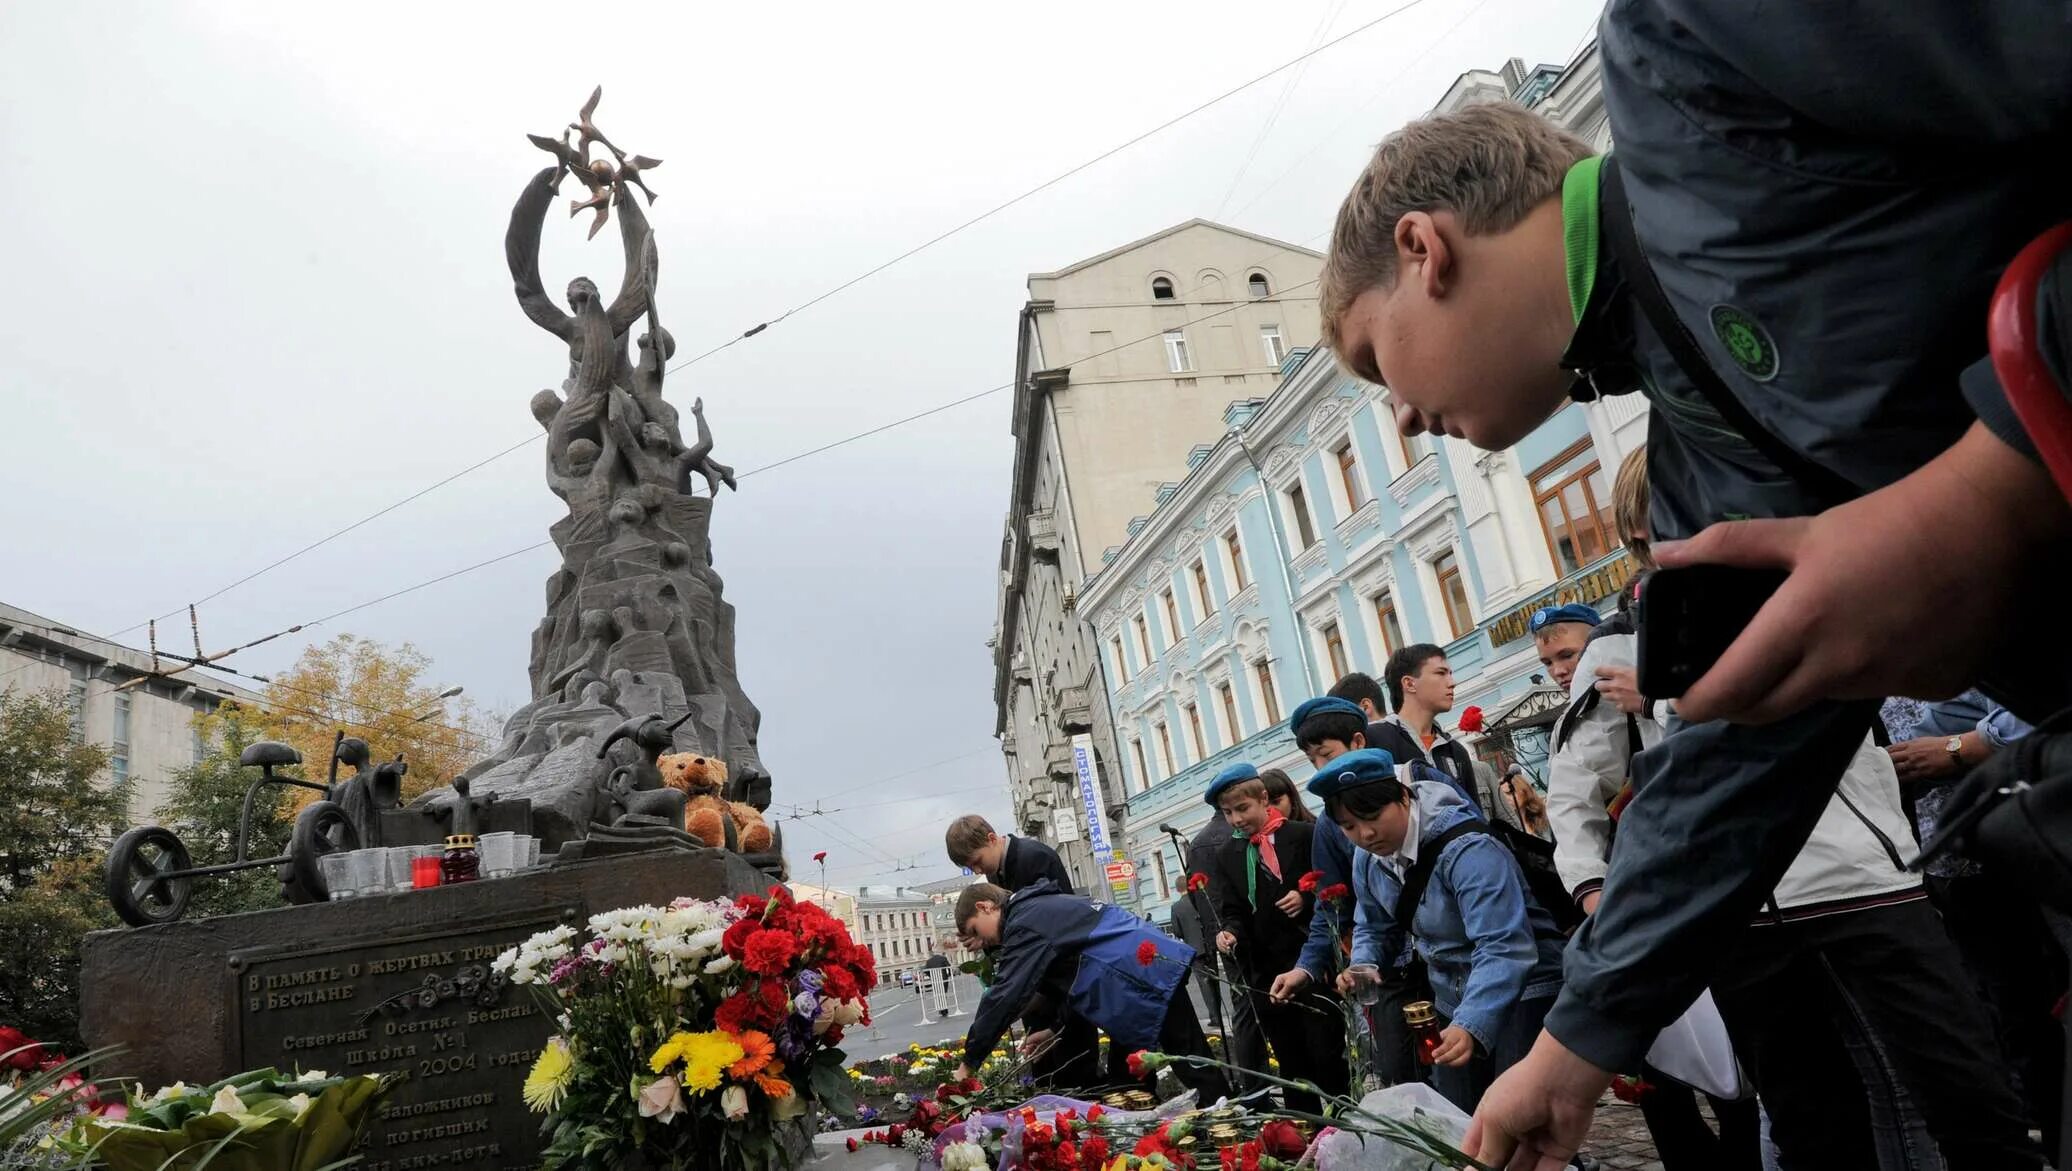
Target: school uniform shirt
(1269, 939)
(1084, 955)
(1028, 861)
(1485, 943)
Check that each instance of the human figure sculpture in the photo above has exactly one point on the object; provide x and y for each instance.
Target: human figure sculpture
(368, 791)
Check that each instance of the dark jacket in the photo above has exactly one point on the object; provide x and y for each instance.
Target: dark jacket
(1269, 940)
(1027, 862)
(1844, 188)
(1330, 929)
(1083, 954)
(1203, 858)
(1448, 755)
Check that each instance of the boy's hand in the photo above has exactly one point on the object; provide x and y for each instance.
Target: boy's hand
(1290, 904)
(963, 1071)
(1902, 592)
(1538, 1112)
(1226, 942)
(1621, 686)
(1927, 758)
(1588, 903)
(1455, 1047)
(1034, 1043)
(1287, 984)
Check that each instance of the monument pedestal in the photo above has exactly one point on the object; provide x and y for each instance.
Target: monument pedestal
(393, 982)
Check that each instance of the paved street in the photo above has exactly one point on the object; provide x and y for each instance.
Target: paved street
(897, 1023)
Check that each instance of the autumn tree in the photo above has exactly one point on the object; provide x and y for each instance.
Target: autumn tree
(56, 820)
(383, 695)
(206, 805)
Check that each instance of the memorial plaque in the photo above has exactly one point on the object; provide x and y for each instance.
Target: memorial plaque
(427, 1007)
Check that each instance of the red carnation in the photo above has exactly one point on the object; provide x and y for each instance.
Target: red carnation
(1631, 1089)
(853, 1144)
(1335, 892)
(821, 856)
(1137, 1070)
(736, 1014)
(1471, 718)
(1280, 1139)
(769, 952)
(893, 1135)
(1307, 884)
(1147, 953)
(735, 940)
(1094, 1151)
(1197, 881)
(1094, 1112)
(839, 984)
(17, 1051)
(1227, 1157)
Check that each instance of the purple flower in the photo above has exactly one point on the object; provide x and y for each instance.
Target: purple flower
(806, 1005)
(565, 969)
(810, 980)
(795, 1040)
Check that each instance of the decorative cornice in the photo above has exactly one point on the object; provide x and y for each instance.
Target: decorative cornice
(1422, 474)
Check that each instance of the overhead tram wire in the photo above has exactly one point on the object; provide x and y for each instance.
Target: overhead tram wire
(938, 409)
(931, 242)
(1273, 116)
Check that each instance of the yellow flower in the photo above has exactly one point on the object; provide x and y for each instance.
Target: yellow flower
(705, 1057)
(548, 1082)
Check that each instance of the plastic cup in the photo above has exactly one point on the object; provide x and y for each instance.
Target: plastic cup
(499, 853)
(396, 866)
(532, 852)
(369, 870)
(337, 875)
(1366, 980)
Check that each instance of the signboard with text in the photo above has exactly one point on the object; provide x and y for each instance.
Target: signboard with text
(1088, 776)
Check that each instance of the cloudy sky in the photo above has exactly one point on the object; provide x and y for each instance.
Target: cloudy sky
(255, 293)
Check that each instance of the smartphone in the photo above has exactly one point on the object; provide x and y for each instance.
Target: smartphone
(1688, 617)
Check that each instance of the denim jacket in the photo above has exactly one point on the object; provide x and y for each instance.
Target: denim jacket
(1486, 944)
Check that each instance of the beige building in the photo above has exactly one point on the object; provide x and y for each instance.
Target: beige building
(1126, 367)
(942, 915)
(897, 929)
(148, 727)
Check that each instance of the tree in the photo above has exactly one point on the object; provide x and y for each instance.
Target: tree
(207, 805)
(55, 825)
(381, 695)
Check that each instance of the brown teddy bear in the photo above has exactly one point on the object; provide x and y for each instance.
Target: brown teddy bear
(705, 814)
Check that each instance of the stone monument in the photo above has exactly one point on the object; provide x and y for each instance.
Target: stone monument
(636, 627)
(634, 658)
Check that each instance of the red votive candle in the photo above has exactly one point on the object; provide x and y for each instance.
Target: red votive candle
(424, 872)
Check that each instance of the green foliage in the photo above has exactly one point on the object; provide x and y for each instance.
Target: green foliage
(204, 808)
(56, 821)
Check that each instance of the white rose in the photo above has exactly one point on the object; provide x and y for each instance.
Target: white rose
(964, 1157)
(733, 1102)
(226, 1101)
(301, 1104)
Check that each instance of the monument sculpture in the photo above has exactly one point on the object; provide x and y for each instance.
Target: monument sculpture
(637, 633)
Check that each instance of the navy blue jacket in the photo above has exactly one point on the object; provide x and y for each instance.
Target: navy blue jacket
(1844, 185)
(1028, 861)
(1081, 953)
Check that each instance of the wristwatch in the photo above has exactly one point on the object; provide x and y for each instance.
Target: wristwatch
(1955, 747)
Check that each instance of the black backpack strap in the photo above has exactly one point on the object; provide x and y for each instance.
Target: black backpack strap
(1828, 489)
(1420, 873)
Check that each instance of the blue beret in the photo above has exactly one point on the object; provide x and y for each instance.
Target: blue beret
(1321, 704)
(1361, 766)
(1228, 777)
(1547, 616)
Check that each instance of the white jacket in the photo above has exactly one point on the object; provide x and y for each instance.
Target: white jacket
(1854, 858)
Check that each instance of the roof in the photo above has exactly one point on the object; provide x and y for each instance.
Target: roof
(93, 648)
(1154, 237)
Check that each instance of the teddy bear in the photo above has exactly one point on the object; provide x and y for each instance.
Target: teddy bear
(706, 813)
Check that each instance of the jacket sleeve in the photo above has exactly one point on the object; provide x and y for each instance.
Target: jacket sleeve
(1583, 779)
(1227, 887)
(1484, 882)
(1376, 938)
(1743, 797)
(1329, 856)
(2001, 728)
(1022, 960)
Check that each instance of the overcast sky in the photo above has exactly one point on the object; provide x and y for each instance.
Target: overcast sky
(256, 292)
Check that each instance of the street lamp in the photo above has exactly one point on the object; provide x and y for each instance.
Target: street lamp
(447, 694)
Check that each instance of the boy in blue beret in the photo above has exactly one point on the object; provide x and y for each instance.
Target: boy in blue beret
(1430, 879)
(1265, 917)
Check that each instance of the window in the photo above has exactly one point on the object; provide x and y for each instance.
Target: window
(1204, 605)
(1263, 670)
(1575, 508)
(1236, 548)
(119, 765)
(1276, 349)
(1256, 285)
(1143, 773)
(1454, 592)
(1143, 635)
(1391, 626)
(1414, 448)
(1161, 289)
(1177, 359)
(1334, 650)
(1298, 505)
(122, 720)
(1165, 751)
(1172, 614)
(1201, 746)
(76, 703)
(1228, 697)
(1349, 475)
(1165, 890)
(1122, 663)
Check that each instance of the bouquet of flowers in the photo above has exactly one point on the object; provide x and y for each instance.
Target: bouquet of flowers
(689, 1034)
(262, 1120)
(42, 1095)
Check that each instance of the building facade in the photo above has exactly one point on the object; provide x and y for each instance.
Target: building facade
(942, 915)
(1124, 363)
(147, 723)
(837, 902)
(897, 929)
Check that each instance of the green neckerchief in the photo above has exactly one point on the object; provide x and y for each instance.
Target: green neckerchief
(1579, 231)
(1251, 868)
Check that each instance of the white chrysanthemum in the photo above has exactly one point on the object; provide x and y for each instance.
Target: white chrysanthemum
(721, 965)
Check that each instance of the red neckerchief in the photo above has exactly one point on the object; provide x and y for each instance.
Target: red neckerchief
(1262, 843)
